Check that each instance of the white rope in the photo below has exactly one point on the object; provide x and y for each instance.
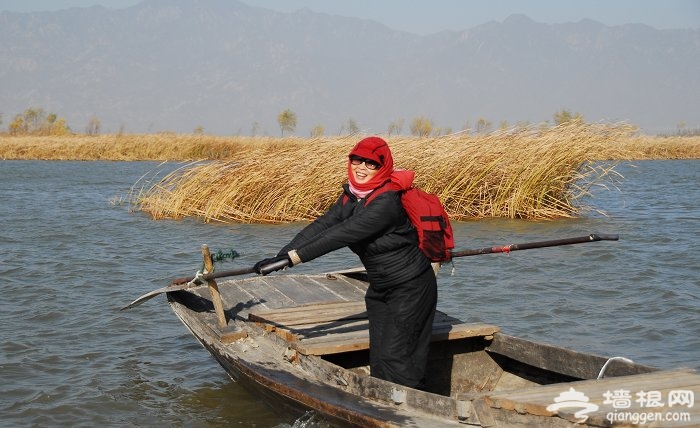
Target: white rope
(198, 279)
(605, 366)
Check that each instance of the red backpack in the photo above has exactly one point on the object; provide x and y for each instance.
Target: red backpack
(430, 220)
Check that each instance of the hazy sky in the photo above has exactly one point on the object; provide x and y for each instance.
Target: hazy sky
(429, 16)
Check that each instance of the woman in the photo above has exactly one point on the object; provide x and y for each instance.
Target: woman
(402, 293)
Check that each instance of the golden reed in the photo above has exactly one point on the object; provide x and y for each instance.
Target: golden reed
(527, 172)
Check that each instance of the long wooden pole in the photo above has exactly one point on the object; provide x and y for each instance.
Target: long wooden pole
(539, 244)
(209, 275)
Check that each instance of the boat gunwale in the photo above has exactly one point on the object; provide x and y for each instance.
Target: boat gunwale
(382, 414)
(321, 372)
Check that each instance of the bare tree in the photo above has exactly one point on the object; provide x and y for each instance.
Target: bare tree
(37, 121)
(352, 127)
(94, 126)
(565, 116)
(395, 127)
(482, 125)
(287, 121)
(421, 126)
(317, 131)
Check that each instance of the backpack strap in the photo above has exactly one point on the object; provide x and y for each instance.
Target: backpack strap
(376, 192)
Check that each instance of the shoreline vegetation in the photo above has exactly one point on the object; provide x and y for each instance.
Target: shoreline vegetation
(531, 172)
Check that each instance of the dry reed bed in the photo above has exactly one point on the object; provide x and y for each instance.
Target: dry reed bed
(132, 147)
(529, 173)
(182, 147)
(646, 147)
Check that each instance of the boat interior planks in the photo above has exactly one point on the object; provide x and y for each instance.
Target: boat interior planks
(285, 291)
(302, 340)
(336, 327)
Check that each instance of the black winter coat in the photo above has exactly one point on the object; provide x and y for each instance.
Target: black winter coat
(380, 233)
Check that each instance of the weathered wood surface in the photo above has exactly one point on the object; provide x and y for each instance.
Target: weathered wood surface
(213, 288)
(557, 359)
(285, 290)
(259, 365)
(535, 400)
(318, 315)
(335, 327)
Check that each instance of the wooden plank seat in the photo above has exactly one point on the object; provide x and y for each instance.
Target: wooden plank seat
(335, 327)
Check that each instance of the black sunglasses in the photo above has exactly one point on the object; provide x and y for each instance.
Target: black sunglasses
(370, 164)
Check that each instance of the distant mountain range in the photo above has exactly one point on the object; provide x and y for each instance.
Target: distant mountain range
(174, 65)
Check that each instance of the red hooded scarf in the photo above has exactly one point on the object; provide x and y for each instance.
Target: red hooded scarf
(376, 149)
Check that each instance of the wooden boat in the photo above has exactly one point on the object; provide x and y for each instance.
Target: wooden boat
(301, 342)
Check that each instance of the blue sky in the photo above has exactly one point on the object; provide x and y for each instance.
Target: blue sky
(429, 16)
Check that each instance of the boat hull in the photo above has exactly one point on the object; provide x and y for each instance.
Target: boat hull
(301, 351)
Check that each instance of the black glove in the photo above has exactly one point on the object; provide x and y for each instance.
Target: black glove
(264, 262)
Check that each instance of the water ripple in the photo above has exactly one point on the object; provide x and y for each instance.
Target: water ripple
(69, 260)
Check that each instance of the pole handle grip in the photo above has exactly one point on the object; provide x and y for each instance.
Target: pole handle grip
(264, 270)
(604, 237)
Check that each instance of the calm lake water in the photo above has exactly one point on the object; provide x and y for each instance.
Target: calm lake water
(72, 254)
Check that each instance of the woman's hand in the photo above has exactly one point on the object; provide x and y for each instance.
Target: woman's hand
(272, 264)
